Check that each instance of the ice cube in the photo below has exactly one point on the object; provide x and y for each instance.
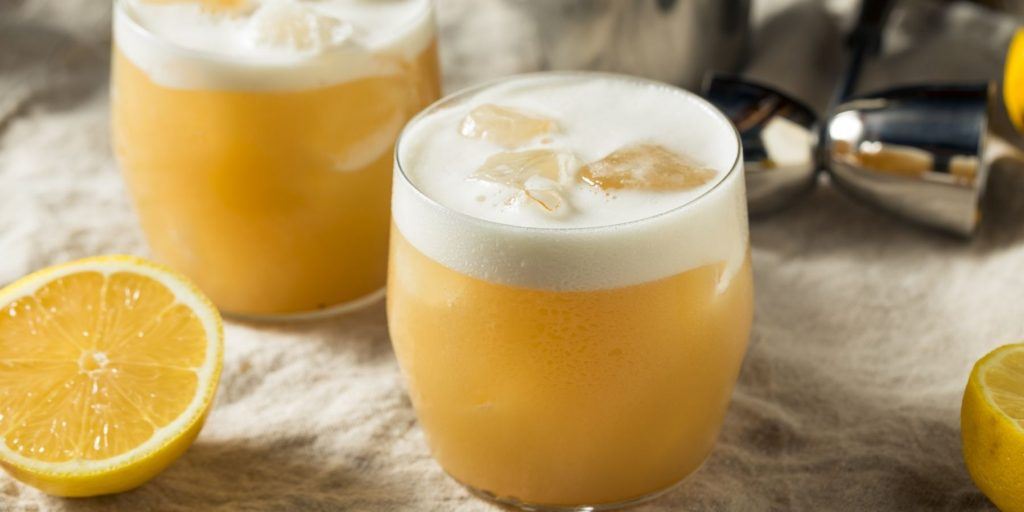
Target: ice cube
(228, 6)
(545, 192)
(537, 173)
(504, 126)
(645, 167)
(513, 168)
(293, 25)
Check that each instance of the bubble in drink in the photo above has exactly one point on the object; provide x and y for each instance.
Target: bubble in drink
(290, 24)
(535, 172)
(645, 167)
(506, 127)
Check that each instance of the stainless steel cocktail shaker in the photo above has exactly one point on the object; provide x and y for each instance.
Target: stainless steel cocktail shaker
(675, 41)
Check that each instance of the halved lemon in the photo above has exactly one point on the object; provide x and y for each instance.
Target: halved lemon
(1013, 81)
(108, 367)
(992, 426)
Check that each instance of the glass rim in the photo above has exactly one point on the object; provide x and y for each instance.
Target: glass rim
(465, 92)
(122, 8)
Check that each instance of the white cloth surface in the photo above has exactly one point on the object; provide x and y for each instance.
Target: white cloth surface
(865, 328)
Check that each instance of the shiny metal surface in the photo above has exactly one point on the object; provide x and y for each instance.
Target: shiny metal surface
(780, 137)
(675, 41)
(914, 151)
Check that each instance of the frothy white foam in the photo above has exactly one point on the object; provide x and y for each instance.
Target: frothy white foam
(601, 240)
(272, 44)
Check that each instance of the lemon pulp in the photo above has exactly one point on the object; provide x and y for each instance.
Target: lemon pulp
(107, 368)
(992, 427)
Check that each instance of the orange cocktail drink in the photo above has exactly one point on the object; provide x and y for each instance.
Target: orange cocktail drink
(570, 291)
(256, 140)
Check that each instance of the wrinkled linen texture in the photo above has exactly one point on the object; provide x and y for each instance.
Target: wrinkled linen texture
(865, 331)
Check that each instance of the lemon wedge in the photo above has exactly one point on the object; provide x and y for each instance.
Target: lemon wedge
(108, 367)
(992, 426)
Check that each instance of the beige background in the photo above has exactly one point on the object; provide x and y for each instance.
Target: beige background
(848, 400)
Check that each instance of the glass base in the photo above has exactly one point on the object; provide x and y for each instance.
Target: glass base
(302, 316)
(537, 507)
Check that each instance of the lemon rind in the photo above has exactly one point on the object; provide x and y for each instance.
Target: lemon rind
(1013, 76)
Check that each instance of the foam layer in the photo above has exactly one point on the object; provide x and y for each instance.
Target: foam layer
(271, 44)
(601, 240)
